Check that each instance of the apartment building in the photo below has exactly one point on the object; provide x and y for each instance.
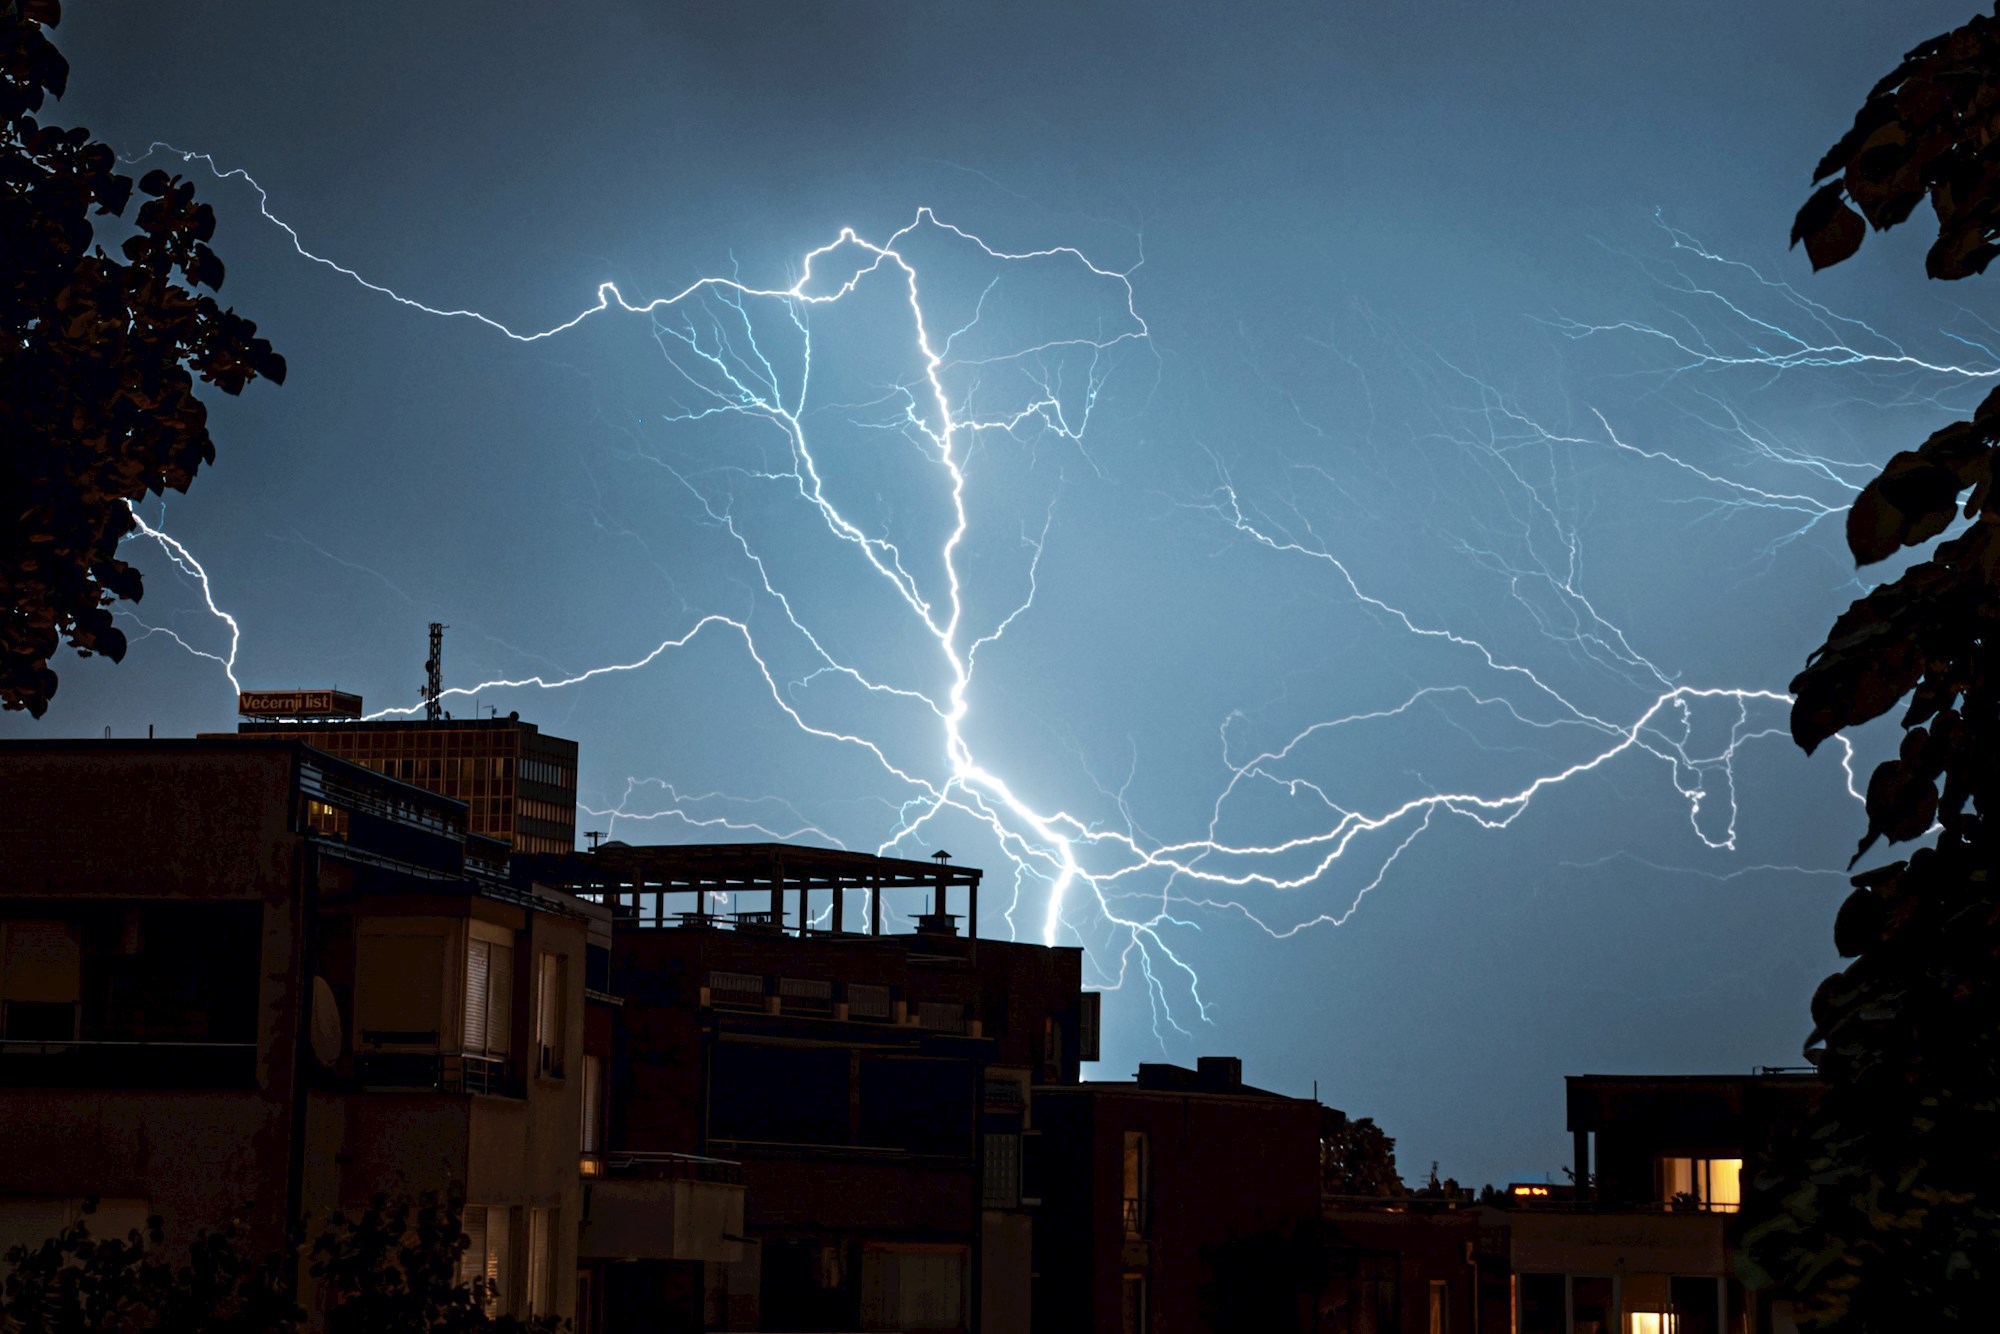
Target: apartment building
(1155, 1189)
(518, 783)
(211, 1006)
(1665, 1159)
(874, 1088)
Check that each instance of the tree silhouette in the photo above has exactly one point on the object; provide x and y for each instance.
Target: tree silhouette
(390, 1269)
(1355, 1157)
(99, 358)
(1884, 1215)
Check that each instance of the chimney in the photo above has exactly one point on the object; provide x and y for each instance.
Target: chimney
(1220, 1074)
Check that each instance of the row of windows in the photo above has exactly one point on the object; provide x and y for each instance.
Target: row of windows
(428, 741)
(543, 771)
(436, 769)
(553, 812)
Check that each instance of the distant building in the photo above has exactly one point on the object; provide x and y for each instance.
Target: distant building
(518, 784)
(874, 1087)
(1153, 1190)
(1666, 1159)
(210, 1006)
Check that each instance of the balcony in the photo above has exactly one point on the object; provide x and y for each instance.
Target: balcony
(434, 1072)
(662, 1206)
(128, 1064)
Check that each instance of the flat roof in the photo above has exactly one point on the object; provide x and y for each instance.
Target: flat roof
(675, 867)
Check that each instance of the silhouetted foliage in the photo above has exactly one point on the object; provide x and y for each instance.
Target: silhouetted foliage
(1884, 1215)
(1355, 1157)
(76, 1282)
(99, 359)
(393, 1269)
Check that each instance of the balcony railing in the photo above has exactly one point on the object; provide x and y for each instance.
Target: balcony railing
(96, 1063)
(434, 1072)
(672, 1167)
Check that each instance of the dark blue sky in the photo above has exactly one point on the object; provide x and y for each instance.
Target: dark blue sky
(1450, 453)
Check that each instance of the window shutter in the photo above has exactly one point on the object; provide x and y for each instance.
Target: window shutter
(478, 966)
(500, 1000)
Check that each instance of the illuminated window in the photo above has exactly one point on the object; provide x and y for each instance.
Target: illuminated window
(1709, 1183)
(485, 1260)
(1440, 1307)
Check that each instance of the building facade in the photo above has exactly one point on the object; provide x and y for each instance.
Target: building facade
(1162, 1194)
(517, 782)
(874, 1086)
(212, 1008)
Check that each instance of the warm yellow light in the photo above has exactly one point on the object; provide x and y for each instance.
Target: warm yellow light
(590, 1167)
(1530, 1190)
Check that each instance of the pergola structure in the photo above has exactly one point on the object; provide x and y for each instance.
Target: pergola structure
(636, 881)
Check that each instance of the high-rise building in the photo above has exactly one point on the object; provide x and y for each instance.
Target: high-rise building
(518, 784)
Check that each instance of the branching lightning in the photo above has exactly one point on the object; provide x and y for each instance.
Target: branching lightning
(741, 351)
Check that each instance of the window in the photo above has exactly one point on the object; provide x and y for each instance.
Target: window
(1132, 1304)
(1089, 1022)
(489, 998)
(551, 1005)
(591, 1140)
(399, 990)
(485, 1259)
(1136, 1211)
(40, 974)
(541, 1259)
(1440, 1307)
(1705, 1183)
(1003, 1171)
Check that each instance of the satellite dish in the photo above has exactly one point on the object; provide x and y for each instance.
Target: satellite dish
(325, 1023)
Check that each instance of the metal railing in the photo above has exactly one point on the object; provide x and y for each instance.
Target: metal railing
(673, 1167)
(435, 1072)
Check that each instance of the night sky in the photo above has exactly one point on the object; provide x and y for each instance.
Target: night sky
(1460, 428)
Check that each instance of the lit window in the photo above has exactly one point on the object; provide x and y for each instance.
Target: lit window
(1705, 1183)
(485, 1259)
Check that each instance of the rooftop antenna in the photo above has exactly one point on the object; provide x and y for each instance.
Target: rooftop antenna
(434, 675)
(593, 835)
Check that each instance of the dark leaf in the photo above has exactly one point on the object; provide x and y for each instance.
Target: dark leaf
(1830, 229)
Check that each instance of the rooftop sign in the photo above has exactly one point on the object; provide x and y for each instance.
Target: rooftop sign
(298, 704)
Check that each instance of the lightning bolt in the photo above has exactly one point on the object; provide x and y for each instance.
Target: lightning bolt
(743, 351)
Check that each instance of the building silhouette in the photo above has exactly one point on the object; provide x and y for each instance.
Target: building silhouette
(210, 1007)
(517, 782)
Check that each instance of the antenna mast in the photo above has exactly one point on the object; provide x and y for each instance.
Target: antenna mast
(434, 675)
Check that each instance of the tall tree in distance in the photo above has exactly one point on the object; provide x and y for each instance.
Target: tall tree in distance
(1355, 1157)
(99, 359)
(1886, 1214)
